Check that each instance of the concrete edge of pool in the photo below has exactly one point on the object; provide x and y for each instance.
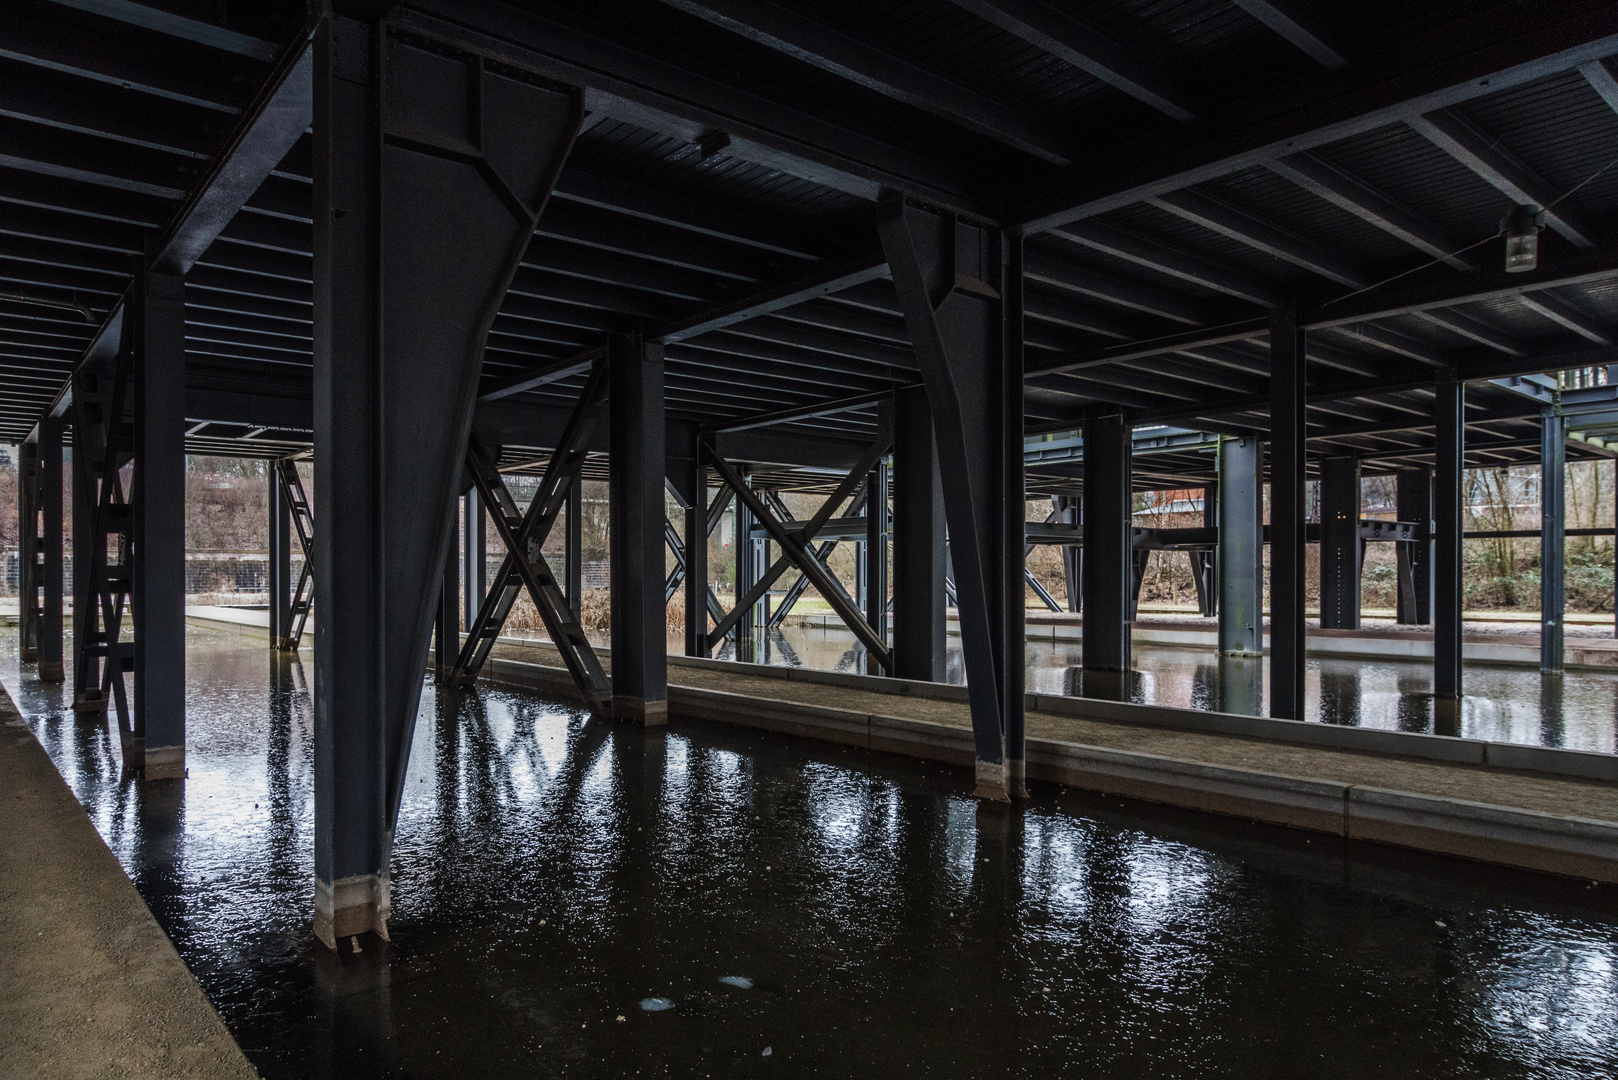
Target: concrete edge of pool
(88, 974)
(1558, 843)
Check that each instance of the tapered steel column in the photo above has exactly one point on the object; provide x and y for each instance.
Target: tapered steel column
(158, 538)
(1340, 563)
(431, 168)
(919, 628)
(1240, 563)
(1552, 539)
(1414, 502)
(1288, 442)
(1449, 435)
(1109, 577)
(639, 624)
(280, 531)
(960, 286)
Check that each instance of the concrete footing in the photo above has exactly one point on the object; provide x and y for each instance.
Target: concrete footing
(649, 713)
(350, 906)
(164, 763)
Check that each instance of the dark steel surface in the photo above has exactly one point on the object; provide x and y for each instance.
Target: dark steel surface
(552, 874)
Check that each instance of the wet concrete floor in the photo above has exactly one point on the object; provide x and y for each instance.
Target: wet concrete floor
(1576, 710)
(752, 906)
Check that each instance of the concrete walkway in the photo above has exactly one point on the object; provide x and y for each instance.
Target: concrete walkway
(90, 986)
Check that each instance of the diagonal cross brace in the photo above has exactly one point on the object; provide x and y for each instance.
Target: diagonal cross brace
(524, 566)
(286, 472)
(794, 549)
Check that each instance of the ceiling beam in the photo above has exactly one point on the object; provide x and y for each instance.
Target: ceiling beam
(1278, 20)
(1244, 229)
(820, 282)
(1321, 178)
(1576, 269)
(1446, 64)
(824, 47)
(1599, 74)
(1167, 260)
(1460, 139)
(202, 33)
(1111, 289)
(1087, 48)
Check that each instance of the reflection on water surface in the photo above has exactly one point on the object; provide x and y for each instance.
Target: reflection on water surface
(849, 914)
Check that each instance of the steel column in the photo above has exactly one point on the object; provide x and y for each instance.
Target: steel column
(696, 554)
(1109, 560)
(447, 624)
(87, 696)
(294, 607)
(29, 615)
(50, 666)
(1240, 563)
(1205, 564)
(573, 548)
(1414, 502)
(919, 626)
(1070, 511)
(876, 555)
(1340, 545)
(158, 527)
(1288, 442)
(639, 622)
(280, 530)
(1552, 538)
(431, 168)
(959, 285)
(747, 568)
(474, 549)
(1449, 436)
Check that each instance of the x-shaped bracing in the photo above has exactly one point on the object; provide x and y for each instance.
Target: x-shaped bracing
(525, 566)
(795, 550)
(297, 613)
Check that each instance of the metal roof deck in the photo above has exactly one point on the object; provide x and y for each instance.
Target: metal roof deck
(1178, 167)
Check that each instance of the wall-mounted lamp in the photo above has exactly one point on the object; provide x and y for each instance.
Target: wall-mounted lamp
(1522, 227)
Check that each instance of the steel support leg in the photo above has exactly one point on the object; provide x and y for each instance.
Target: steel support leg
(1109, 559)
(422, 211)
(29, 615)
(158, 527)
(1340, 545)
(573, 548)
(1449, 433)
(959, 285)
(639, 623)
(1552, 539)
(1414, 502)
(919, 638)
(696, 550)
(86, 689)
(876, 556)
(1240, 563)
(1288, 443)
(50, 550)
(474, 551)
(1070, 511)
(280, 595)
(447, 624)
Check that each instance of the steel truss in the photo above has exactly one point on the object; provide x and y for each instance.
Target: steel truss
(524, 567)
(296, 612)
(795, 549)
(103, 444)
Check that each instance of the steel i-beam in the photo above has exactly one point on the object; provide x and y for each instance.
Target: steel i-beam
(1449, 438)
(1552, 539)
(1240, 562)
(637, 465)
(1109, 562)
(1414, 502)
(1340, 544)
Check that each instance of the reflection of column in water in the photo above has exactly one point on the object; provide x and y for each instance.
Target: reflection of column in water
(1339, 697)
(1415, 708)
(1205, 688)
(1552, 724)
(1241, 685)
(1073, 682)
(1447, 715)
